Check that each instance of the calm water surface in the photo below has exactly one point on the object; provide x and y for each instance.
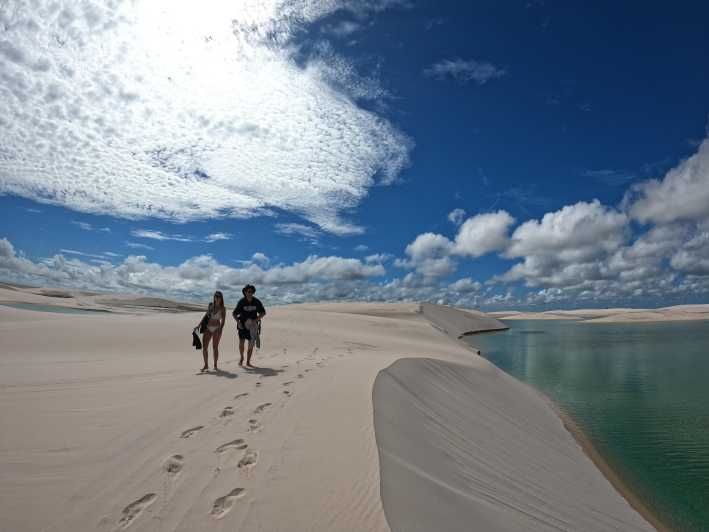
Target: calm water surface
(51, 308)
(639, 391)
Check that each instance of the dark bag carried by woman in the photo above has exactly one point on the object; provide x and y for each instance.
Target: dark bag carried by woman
(196, 342)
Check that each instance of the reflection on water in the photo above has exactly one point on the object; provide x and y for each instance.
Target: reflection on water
(51, 308)
(638, 390)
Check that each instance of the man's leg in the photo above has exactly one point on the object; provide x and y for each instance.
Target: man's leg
(241, 351)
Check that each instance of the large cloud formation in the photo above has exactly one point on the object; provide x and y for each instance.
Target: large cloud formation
(683, 194)
(195, 277)
(184, 111)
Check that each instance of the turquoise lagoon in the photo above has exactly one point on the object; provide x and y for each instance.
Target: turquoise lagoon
(640, 393)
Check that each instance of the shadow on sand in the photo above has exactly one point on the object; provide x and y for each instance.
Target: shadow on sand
(264, 372)
(218, 373)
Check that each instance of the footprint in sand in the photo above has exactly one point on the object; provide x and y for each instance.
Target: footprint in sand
(287, 392)
(287, 383)
(316, 350)
(308, 370)
(134, 509)
(254, 425)
(261, 408)
(301, 376)
(239, 396)
(235, 444)
(284, 366)
(173, 464)
(249, 460)
(223, 505)
(190, 432)
(228, 411)
(258, 384)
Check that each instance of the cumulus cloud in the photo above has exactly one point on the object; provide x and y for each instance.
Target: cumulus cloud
(170, 110)
(197, 276)
(567, 246)
(429, 255)
(456, 216)
(471, 70)
(683, 194)
(378, 258)
(483, 233)
(693, 257)
(260, 258)
(215, 237)
(466, 284)
(575, 232)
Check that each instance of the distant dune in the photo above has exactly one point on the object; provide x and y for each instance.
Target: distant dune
(613, 315)
(86, 300)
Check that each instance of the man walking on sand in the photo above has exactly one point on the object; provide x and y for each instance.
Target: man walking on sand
(248, 314)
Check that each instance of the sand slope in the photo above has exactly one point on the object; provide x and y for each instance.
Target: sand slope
(478, 450)
(106, 424)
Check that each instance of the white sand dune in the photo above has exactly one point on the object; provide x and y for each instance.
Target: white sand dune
(477, 450)
(613, 315)
(107, 424)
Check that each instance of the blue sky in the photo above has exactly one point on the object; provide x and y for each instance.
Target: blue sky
(529, 154)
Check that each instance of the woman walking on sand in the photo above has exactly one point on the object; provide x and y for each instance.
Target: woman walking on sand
(216, 315)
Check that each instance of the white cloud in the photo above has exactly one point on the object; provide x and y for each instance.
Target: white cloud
(456, 216)
(137, 245)
(575, 232)
(567, 246)
(88, 227)
(181, 112)
(466, 284)
(429, 245)
(102, 256)
(471, 70)
(378, 258)
(197, 276)
(361, 247)
(483, 234)
(260, 258)
(344, 28)
(306, 231)
(159, 235)
(83, 225)
(214, 237)
(683, 194)
(693, 257)
(429, 256)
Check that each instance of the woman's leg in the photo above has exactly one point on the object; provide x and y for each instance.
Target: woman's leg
(205, 343)
(215, 346)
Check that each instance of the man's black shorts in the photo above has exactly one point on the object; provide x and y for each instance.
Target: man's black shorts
(244, 334)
